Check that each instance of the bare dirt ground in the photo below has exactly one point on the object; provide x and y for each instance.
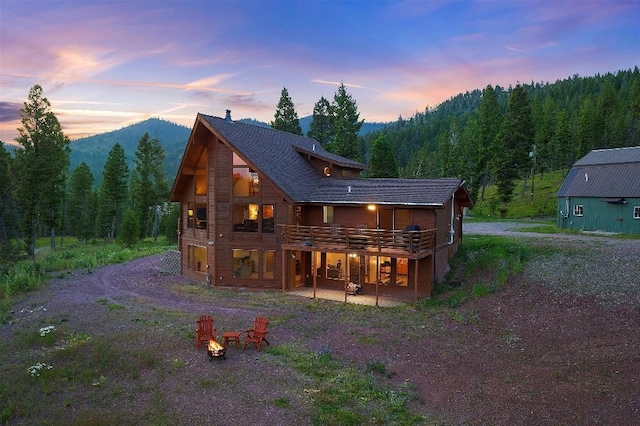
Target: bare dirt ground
(551, 348)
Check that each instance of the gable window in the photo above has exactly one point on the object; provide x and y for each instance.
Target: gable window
(246, 182)
(327, 214)
(196, 216)
(577, 210)
(636, 212)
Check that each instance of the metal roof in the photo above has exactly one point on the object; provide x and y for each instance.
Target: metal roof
(607, 173)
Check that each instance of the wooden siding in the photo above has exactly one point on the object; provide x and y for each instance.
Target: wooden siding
(599, 215)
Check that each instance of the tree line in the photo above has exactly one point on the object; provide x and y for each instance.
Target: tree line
(37, 197)
(496, 135)
(493, 136)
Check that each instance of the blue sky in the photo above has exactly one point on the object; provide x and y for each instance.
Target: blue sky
(104, 65)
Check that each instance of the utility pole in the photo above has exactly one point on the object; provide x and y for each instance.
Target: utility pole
(532, 155)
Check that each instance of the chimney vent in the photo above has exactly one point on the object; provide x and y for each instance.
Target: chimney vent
(349, 189)
(228, 115)
(313, 147)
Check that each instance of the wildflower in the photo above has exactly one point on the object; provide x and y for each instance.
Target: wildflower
(46, 330)
(34, 370)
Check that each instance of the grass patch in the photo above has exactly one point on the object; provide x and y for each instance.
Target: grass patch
(344, 395)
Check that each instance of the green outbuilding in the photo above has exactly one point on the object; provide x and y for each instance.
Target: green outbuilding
(602, 192)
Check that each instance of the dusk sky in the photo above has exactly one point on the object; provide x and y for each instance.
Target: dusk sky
(104, 65)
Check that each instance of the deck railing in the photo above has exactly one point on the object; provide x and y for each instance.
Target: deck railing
(359, 239)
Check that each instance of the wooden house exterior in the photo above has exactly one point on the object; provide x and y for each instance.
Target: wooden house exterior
(602, 192)
(263, 208)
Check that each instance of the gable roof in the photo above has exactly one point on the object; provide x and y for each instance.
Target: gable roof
(604, 173)
(281, 158)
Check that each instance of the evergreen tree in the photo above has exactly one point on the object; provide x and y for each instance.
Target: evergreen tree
(40, 168)
(634, 112)
(562, 141)
(79, 212)
(382, 163)
(149, 185)
(8, 213)
(286, 117)
(321, 127)
(489, 121)
(128, 235)
(515, 141)
(169, 222)
(113, 192)
(346, 125)
(586, 132)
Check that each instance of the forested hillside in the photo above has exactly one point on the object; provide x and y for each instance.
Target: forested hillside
(570, 117)
(93, 150)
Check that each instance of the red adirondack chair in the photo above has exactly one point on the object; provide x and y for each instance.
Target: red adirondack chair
(257, 334)
(205, 330)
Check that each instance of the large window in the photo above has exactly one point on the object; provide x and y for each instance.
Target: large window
(577, 210)
(197, 216)
(197, 258)
(245, 217)
(246, 182)
(245, 263)
(335, 268)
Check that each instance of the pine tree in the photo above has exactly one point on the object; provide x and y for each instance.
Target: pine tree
(346, 125)
(382, 163)
(40, 168)
(489, 121)
(149, 187)
(321, 127)
(515, 140)
(286, 117)
(79, 212)
(8, 213)
(113, 192)
(129, 231)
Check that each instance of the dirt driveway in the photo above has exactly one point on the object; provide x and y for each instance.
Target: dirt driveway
(559, 345)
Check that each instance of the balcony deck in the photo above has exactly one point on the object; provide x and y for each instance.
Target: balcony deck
(371, 242)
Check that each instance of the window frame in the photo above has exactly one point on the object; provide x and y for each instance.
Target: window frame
(578, 210)
(636, 212)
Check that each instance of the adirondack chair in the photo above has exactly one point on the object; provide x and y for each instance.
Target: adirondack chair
(257, 334)
(205, 330)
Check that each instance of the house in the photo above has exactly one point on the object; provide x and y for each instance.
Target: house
(262, 208)
(602, 192)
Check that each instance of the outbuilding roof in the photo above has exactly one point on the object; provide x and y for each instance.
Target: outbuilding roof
(604, 173)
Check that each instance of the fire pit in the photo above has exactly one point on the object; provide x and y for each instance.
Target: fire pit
(215, 349)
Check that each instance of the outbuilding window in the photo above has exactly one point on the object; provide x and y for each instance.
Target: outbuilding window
(636, 212)
(577, 210)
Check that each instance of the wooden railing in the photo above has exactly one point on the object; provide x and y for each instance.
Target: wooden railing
(359, 239)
